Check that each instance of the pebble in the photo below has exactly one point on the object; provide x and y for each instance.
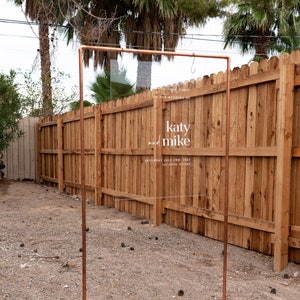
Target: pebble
(296, 274)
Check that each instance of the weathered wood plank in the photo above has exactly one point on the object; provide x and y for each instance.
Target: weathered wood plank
(158, 174)
(210, 214)
(284, 140)
(60, 156)
(98, 165)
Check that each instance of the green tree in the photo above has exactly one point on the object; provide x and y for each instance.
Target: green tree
(32, 104)
(110, 87)
(76, 104)
(264, 27)
(46, 13)
(198, 11)
(10, 104)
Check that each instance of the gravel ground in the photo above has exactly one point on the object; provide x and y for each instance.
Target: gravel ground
(127, 257)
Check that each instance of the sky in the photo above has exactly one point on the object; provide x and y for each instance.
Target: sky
(19, 51)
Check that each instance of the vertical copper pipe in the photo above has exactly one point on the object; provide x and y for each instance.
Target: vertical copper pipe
(83, 193)
(227, 146)
(226, 196)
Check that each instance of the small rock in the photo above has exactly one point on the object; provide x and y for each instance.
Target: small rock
(129, 228)
(35, 250)
(66, 265)
(87, 229)
(80, 249)
(296, 274)
(123, 245)
(131, 248)
(145, 222)
(180, 293)
(286, 276)
(22, 245)
(156, 238)
(273, 291)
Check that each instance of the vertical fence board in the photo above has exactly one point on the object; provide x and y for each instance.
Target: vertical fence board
(97, 166)
(60, 157)
(158, 175)
(282, 198)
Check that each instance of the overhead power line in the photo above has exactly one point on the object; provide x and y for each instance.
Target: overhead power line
(194, 36)
(213, 38)
(17, 22)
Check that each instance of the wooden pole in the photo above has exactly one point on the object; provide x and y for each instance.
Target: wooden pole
(60, 155)
(283, 165)
(37, 154)
(98, 183)
(158, 184)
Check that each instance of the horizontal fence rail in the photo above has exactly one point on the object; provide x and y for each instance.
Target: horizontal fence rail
(162, 153)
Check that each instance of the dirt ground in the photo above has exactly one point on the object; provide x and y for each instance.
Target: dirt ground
(127, 257)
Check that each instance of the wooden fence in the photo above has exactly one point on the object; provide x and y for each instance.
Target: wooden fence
(20, 156)
(161, 155)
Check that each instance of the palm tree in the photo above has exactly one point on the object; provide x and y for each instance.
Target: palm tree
(109, 86)
(96, 23)
(76, 104)
(112, 86)
(46, 13)
(145, 24)
(148, 27)
(160, 24)
(263, 26)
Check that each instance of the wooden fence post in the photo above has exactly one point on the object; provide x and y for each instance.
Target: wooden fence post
(98, 179)
(37, 154)
(60, 155)
(157, 207)
(283, 165)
